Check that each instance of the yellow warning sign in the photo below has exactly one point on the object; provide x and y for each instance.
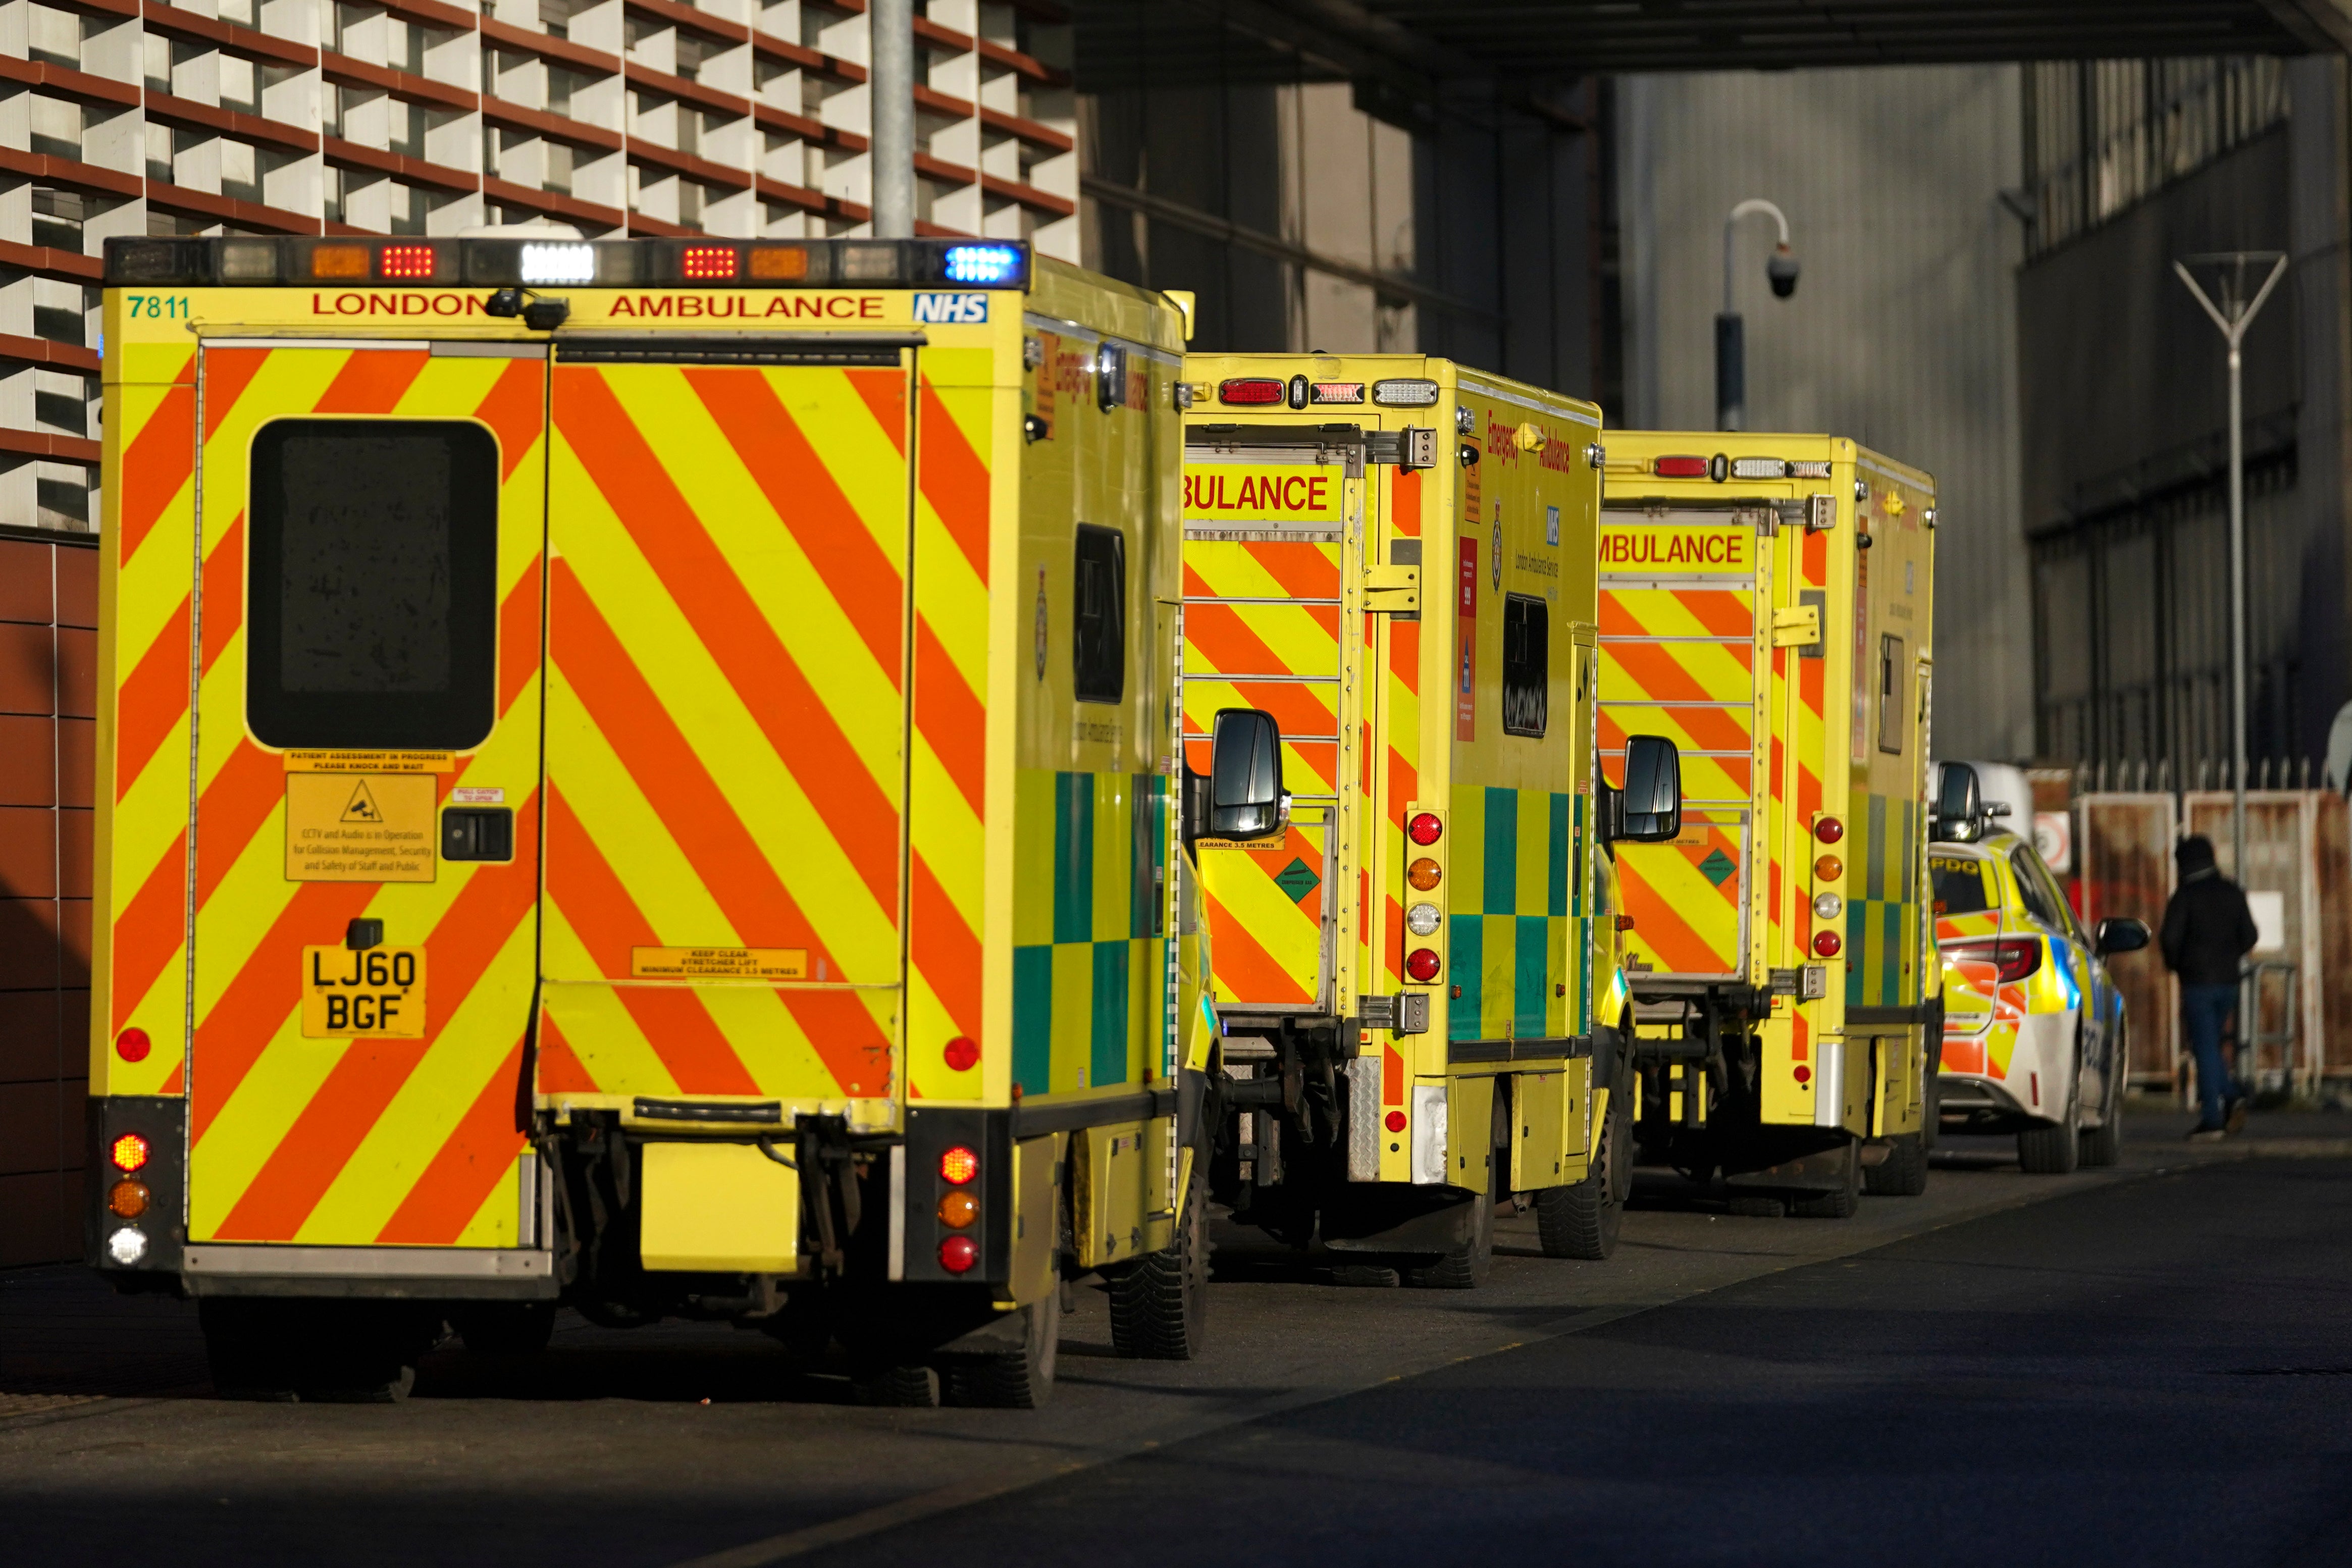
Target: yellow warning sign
(371, 762)
(366, 828)
(719, 962)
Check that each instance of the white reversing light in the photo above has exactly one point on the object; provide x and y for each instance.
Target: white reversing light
(1421, 919)
(1404, 391)
(1827, 906)
(126, 1246)
(559, 264)
(1758, 468)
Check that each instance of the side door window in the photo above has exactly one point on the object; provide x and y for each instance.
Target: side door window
(2033, 887)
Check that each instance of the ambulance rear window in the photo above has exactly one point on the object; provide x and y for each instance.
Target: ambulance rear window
(1098, 648)
(374, 583)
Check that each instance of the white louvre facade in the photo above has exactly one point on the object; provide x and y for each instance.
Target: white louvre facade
(620, 117)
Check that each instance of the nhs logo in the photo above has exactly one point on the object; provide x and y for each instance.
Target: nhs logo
(957, 309)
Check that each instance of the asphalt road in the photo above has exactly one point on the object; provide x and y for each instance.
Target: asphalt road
(2151, 1366)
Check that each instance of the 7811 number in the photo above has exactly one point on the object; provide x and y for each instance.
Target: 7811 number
(159, 307)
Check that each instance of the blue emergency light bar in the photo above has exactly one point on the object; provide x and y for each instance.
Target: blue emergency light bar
(536, 260)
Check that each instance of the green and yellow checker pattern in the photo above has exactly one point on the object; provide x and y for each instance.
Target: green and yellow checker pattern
(1088, 990)
(1515, 909)
(1882, 920)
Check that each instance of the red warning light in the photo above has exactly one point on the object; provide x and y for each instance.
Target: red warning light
(404, 262)
(707, 263)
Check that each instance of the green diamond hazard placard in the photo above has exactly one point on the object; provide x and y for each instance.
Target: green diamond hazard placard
(1297, 879)
(1716, 867)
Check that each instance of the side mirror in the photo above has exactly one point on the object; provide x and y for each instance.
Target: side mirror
(1649, 809)
(1958, 817)
(1245, 797)
(2118, 933)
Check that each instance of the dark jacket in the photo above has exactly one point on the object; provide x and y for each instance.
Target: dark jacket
(2208, 928)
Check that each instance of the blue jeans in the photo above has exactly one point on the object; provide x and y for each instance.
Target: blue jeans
(2203, 1010)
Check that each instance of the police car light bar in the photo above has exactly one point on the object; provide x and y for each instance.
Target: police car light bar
(488, 261)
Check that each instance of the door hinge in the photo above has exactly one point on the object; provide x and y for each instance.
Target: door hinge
(1800, 626)
(1392, 589)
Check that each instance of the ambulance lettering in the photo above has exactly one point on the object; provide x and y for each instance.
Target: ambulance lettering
(387, 304)
(1256, 494)
(956, 310)
(1723, 548)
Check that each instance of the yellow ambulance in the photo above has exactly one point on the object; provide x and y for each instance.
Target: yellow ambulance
(1392, 558)
(641, 774)
(1767, 602)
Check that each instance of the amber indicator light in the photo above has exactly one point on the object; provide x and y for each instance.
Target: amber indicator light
(340, 261)
(1423, 874)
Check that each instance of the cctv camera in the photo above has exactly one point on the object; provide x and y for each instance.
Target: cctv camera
(1781, 269)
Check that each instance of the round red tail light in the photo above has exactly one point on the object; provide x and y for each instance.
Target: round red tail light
(961, 1053)
(1396, 1120)
(1424, 829)
(1421, 965)
(959, 1165)
(132, 1044)
(958, 1254)
(128, 1152)
(1803, 1075)
(1826, 943)
(1829, 830)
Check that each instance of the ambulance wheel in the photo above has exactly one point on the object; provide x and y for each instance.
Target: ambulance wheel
(1467, 1267)
(2055, 1149)
(1840, 1202)
(1160, 1307)
(1582, 1220)
(250, 1350)
(505, 1327)
(896, 1387)
(1903, 1174)
(1012, 1380)
(365, 1353)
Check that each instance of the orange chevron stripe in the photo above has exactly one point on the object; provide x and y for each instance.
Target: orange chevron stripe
(954, 480)
(231, 1037)
(785, 464)
(950, 717)
(516, 411)
(803, 732)
(1245, 969)
(725, 856)
(227, 374)
(373, 381)
(559, 1069)
(519, 637)
(1816, 560)
(329, 1130)
(884, 393)
(157, 465)
(150, 930)
(1304, 571)
(466, 1169)
(223, 593)
(946, 950)
(1404, 503)
(1662, 930)
(152, 698)
(598, 908)
(1394, 926)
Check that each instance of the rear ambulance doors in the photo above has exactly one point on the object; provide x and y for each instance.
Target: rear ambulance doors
(1274, 519)
(366, 772)
(1681, 590)
(731, 533)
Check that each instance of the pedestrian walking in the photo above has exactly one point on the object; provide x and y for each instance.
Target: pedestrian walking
(2207, 931)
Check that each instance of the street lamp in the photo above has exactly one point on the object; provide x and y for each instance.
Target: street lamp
(2233, 316)
(1730, 337)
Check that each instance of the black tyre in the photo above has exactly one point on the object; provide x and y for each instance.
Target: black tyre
(2104, 1144)
(1840, 1202)
(1903, 1173)
(328, 1352)
(1582, 1219)
(1160, 1307)
(1467, 1267)
(1012, 1380)
(899, 1387)
(506, 1328)
(2056, 1149)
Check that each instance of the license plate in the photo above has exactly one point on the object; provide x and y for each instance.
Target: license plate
(378, 994)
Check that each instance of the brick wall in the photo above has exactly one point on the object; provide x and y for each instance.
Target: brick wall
(48, 677)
